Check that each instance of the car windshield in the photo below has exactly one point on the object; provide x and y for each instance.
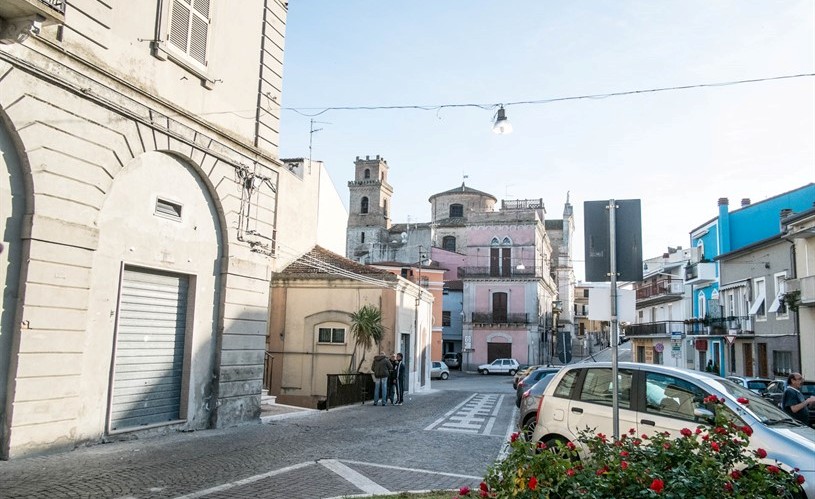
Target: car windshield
(764, 410)
(808, 388)
(757, 384)
(537, 388)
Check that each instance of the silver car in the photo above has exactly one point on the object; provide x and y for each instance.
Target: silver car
(654, 398)
(528, 414)
(439, 370)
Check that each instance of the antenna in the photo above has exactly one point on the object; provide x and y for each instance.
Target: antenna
(311, 132)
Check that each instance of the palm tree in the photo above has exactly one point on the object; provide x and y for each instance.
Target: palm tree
(366, 328)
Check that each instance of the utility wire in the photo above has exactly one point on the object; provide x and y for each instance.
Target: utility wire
(436, 107)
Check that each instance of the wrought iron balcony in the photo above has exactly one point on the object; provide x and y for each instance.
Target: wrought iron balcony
(713, 326)
(482, 272)
(661, 290)
(21, 18)
(491, 318)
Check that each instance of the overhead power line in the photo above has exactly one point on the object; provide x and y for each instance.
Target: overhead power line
(436, 107)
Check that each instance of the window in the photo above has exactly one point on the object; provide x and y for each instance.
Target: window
(779, 306)
(385, 208)
(598, 388)
(585, 293)
(757, 307)
(564, 388)
(449, 243)
(189, 28)
(456, 211)
(701, 304)
(367, 173)
(499, 308)
(362, 237)
(331, 335)
(782, 363)
(363, 208)
(445, 318)
(500, 262)
(168, 209)
(672, 397)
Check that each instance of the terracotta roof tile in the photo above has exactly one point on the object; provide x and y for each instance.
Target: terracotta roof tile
(305, 266)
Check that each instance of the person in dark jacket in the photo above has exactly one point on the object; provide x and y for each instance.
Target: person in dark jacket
(392, 381)
(382, 367)
(401, 379)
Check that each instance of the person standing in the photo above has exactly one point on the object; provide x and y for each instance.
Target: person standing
(401, 378)
(382, 367)
(392, 381)
(793, 402)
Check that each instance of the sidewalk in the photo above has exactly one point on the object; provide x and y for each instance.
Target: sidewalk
(270, 410)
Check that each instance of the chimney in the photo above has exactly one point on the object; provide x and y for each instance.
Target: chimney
(745, 202)
(785, 213)
(723, 201)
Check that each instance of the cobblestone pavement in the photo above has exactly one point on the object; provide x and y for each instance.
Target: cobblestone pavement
(315, 454)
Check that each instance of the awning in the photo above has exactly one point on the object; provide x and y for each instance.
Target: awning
(733, 285)
(776, 303)
(757, 304)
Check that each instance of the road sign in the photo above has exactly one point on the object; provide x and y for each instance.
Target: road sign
(730, 338)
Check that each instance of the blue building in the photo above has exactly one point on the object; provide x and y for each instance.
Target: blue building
(730, 231)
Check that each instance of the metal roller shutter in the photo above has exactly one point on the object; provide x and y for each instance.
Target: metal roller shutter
(149, 358)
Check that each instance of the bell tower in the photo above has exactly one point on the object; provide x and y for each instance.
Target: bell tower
(369, 207)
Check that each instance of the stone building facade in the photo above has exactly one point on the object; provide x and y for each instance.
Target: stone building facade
(145, 210)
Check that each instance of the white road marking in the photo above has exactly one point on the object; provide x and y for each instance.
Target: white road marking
(491, 422)
(417, 470)
(510, 430)
(245, 481)
(357, 479)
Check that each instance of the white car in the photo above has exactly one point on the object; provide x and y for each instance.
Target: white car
(500, 366)
(654, 398)
(439, 370)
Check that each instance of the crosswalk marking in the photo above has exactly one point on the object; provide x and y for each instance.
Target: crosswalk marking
(477, 414)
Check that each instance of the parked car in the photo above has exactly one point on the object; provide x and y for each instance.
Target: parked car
(499, 366)
(758, 385)
(452, 359)
(439, 370)
(775, 393)
(528, 415)
(655, 398)
(523, 372)
(530, 380)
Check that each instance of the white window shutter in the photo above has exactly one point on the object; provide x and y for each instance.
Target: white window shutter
(189, 28)
(180, 25)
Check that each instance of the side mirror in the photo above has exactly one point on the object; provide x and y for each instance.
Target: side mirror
(704, 414)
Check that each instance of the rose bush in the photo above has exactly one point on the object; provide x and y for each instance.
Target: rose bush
(710, 461)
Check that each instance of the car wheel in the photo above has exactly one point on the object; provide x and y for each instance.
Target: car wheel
(529, 426)
(512, 372)
(484, 371)
(444, 376)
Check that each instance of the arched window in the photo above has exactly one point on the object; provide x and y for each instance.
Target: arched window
(449, 243)
(367, 173)
(456, 211)
(702, 305)
(364, 205)
(362, 238)
(494, 242)
(506, 242)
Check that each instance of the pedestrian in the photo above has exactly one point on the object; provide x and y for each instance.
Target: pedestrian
(709, 367)
(401, 378)
(382, 367)
(392, 380)
(794, 403)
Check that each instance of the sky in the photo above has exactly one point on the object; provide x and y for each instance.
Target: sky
(677, 151)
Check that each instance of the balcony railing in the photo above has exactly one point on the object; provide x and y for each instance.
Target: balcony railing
(707, 326)
(699, 273)
(488, 318)
(57, 5)
(480, 272)
(521, 204)
(661, 287)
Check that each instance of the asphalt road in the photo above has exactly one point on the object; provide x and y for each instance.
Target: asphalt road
(441, 439)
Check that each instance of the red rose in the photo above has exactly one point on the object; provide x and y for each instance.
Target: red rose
(773, 469)
(644, 436)
(632, 431)
(666, 446)
(735, 474)
(657, 485)
(714, 446)
(720, 430)
(570, 446)
(686, 432)
(799, 479)
(484, 493)
(533, 482)
(541, 445)
(602, 471)
(637, 441)
(463, 491)
(728, 486)
(624, 453)
(761, 453)
(483, 486)
(513, 437)
(711, 399)
(746, 429)
(705, 437)
(698, 430)
(743, 400)
(624, 465)
(570, 472)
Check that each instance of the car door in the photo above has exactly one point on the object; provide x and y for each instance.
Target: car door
(669, 404)
(591, 407)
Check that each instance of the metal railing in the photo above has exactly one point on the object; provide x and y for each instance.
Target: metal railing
(521, 204)
(475, 272)
(57, 5)
(703, 326)
(488, 318)
(660, 288)
(346, 389)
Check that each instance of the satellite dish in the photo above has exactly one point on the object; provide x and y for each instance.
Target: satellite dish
(404, 237)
